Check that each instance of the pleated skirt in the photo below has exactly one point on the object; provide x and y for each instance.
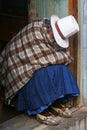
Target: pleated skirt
(46, 85)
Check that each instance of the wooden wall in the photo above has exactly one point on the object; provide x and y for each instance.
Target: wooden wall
(45, 8)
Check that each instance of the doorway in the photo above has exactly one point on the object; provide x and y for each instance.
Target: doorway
(13, 16)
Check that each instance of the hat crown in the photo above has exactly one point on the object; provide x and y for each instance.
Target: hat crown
(63, 28)
(68, 26)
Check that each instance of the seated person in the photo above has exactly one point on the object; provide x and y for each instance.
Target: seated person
(34, 65)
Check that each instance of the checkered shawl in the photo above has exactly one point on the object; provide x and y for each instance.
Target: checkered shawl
(32, 48)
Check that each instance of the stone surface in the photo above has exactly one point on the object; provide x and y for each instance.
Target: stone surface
(24, 122)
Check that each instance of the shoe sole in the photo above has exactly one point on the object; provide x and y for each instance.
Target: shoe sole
(43, 122)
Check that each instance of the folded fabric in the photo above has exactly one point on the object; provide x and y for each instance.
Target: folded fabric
(47, 85)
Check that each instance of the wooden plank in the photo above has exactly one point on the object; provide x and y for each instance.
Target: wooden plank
(73, 10)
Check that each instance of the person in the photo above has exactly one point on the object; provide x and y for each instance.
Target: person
(34, 69)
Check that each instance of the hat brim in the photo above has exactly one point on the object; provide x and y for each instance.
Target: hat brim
(59, 40)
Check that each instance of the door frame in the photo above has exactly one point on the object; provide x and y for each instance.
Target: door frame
(73, 10)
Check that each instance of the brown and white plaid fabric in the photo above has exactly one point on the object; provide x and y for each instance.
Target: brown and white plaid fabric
(32, 48)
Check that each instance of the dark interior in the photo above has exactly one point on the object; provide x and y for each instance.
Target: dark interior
(14, 7)
(13, 17)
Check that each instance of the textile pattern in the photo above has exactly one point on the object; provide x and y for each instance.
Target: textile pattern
(30, 49)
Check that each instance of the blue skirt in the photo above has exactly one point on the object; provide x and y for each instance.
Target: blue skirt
(46, 85)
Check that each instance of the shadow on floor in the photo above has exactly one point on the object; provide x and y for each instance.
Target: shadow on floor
(7, 113)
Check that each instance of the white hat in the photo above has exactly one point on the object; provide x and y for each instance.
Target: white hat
(63, 28)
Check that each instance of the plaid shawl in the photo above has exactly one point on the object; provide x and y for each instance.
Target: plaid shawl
(32, 48)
